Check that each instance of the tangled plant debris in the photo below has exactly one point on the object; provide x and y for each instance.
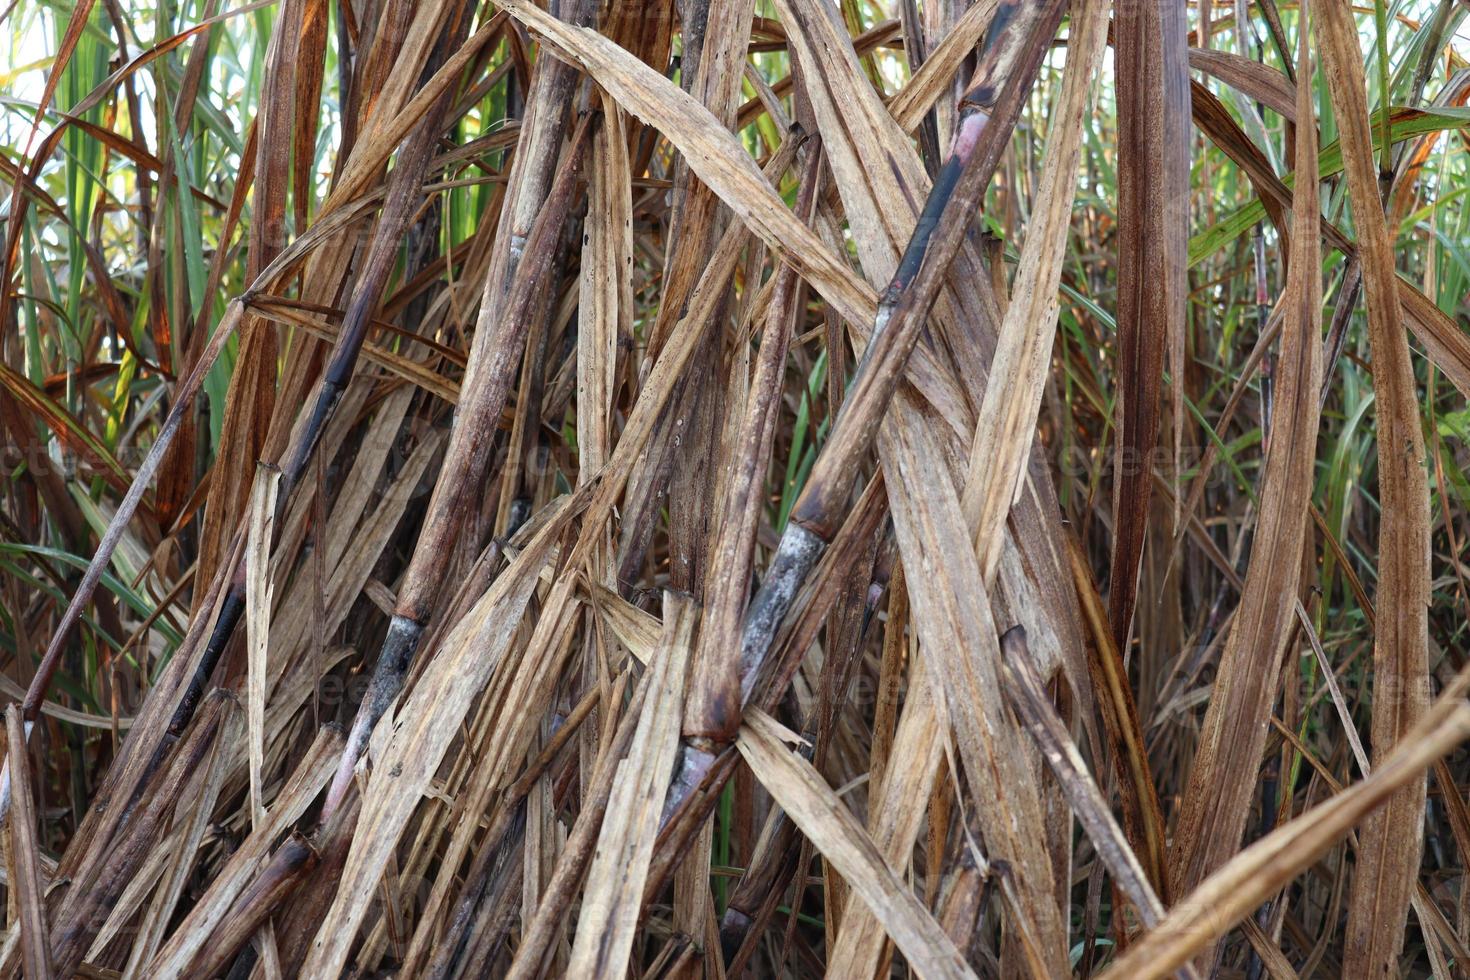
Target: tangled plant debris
(693, 488)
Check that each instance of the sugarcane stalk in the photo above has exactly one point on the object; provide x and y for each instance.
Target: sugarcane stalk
(686, 806)
(773, 863)
(404, 194)
(1017, 42)
(405, 189)
(486, 388)
(733, 546)
(293, 861)
(405, 186)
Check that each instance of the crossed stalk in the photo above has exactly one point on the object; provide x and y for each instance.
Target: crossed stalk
(1018, 39)
(403, 195)
(483, 395)
(481, 386)
(487, 385)
(404, 190)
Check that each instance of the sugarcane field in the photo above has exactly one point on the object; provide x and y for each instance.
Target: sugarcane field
(678, 489)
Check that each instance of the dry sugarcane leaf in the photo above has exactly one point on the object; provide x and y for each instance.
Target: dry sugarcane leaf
(711, 150)
(606, 306)
(394, 66)
(614, 891)
(1233, 737)
(605, 309)
(918, 750)
(1215, 121)
(414, 372)
(637, 630)
(181, 858)
(939, 69)
(136, 893)
(953, 617)
(250, 399)
(1142, 815)
(1446, 343)
(147, 739)
(82, 909)
(872, 162)
(500, 338)
(312, 51)
(350, 573)
(292, 862)
(1249, 878)
(23, 855)
(69, 430)
(1028, 694)
(664, 376)
(715, 37)
(536, 941)
(1153, 231)
(426, 722)
(833, 830)
(350, 509)
(194, 932)
(1392, 839)
(502, 833)
(1006, 422)
(327, 273)
(882, 34)
(71, 716)
(1278, 967)
(1253, 78)
(258, 589)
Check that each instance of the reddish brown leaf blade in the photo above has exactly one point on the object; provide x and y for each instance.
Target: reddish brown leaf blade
(1224, 776)
(1392, 839)
(252, 392)
(1153, 223)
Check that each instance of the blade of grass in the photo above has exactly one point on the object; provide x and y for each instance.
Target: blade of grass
(1153, 203)
(1392, 840)
(1225, 771)
(826, 820)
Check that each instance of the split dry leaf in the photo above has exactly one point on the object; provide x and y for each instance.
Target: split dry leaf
(614, 890)
(1392, 840)
(1224, 775)
(836, 833)
(1153, 222)
(258, 592)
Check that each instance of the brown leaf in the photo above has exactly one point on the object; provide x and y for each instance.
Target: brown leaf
(836, 834)
(1392, 839)
(1224, 775)
(1153, 224)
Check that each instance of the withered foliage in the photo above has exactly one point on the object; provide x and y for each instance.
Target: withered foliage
(710, 489)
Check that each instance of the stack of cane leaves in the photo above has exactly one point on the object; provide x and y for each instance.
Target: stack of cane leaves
(711, 489)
